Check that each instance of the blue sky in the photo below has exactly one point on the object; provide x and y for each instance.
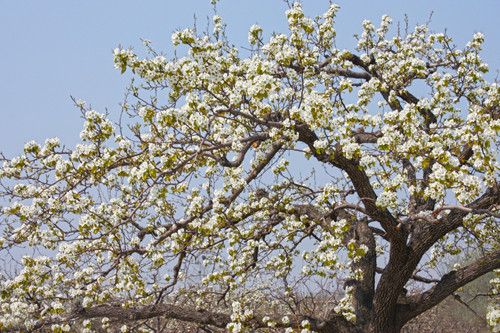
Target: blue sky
(50, 50)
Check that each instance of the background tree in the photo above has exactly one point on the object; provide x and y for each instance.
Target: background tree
(262, 189)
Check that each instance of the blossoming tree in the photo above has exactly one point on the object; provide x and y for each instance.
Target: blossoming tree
(291, 187)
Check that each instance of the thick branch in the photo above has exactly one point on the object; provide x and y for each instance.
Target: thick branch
(450, 282)
(429, 235)
(358, 177)
(186, 314)
(348, 73)
(239, 158)
(366, 137)
(167, 311)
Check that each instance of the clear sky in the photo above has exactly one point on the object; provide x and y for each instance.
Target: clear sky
(52, 49)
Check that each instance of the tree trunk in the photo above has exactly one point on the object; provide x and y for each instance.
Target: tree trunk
(364, 288)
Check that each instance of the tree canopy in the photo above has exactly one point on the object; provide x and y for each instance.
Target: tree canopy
(291, 186)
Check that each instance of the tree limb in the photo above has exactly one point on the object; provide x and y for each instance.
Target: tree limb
(451, 281)
(187, 314)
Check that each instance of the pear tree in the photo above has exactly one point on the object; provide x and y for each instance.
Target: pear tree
(288, 186)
